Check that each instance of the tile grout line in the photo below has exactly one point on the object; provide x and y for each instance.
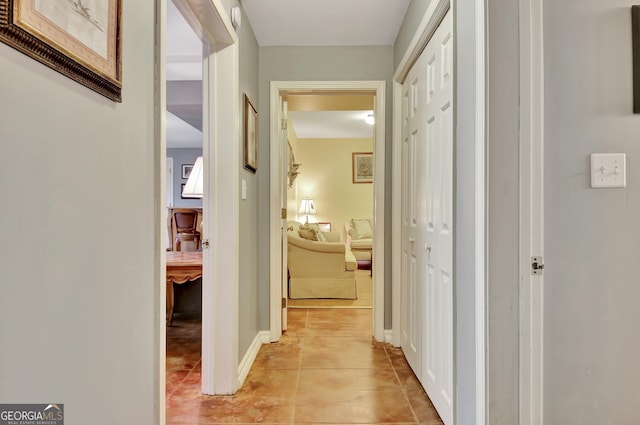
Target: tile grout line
(402, 388)
(302, 344)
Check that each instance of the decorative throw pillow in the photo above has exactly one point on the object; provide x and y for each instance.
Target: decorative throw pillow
(307, 232)
(319, 233)
(320, 236)
(362, 228)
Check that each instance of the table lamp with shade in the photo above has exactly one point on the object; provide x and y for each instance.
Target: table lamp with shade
(307, 207)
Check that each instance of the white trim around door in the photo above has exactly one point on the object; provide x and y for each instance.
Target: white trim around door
(377, 88)
(531, 211)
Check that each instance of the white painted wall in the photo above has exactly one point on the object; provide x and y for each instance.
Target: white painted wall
(327, 179)
(592, 237)
(78, 200)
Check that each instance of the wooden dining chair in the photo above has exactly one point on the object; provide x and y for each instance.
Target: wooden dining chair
(185, 223)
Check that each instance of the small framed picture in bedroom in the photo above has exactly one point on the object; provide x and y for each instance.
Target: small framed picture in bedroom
(362, 167)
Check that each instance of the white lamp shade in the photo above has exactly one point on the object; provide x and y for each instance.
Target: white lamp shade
(307, 207)
(193, 187)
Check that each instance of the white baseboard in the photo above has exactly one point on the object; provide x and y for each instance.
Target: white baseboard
(388, 336)
(262, 337)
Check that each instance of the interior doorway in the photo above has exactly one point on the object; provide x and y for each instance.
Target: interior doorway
(329, 166)
(219, 69)
(184, 212)
(279, 175)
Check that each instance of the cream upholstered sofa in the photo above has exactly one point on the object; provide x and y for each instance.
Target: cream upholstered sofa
(319, 269)
(358, 236)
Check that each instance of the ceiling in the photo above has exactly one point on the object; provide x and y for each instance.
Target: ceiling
(331, 124)
(279, 23)
(326, 22)
(184, 83)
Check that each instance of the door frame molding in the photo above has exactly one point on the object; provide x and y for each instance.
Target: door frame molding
(221, 124)
(433, 16)
(377, 88)
(531, 214)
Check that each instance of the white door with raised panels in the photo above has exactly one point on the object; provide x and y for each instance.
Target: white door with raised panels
(427, 243)
(413, 200)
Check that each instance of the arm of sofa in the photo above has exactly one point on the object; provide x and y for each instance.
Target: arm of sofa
(350, 261)
(332, 236)
(317, 246)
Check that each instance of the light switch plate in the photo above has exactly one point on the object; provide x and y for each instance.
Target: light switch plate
(244, 189)
(608, 170)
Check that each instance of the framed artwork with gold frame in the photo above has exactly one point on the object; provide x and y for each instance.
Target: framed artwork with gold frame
(250, 136)
(78, 38)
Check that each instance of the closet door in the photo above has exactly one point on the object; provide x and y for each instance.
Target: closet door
(413, 201)
(437, 373)
(427, 227)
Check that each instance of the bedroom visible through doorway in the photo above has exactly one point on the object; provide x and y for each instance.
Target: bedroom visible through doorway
(323, 176)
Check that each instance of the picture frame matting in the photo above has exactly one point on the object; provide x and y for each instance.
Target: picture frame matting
(78, 41)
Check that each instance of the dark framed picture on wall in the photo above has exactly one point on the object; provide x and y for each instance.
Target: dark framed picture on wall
(362, 167)
(79, 39)
(635, 45)
(250, 136)
(186, 170)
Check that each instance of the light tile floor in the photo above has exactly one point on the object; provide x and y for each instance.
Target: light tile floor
(326, 369)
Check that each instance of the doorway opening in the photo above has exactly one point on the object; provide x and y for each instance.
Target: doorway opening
(297, 206)
(219, 92)
(329, 188)
(184, 212)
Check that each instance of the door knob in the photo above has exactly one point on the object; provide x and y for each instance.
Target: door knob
(411, 240)
(427, 247)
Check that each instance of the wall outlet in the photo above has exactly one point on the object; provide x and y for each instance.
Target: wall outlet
(608, 170)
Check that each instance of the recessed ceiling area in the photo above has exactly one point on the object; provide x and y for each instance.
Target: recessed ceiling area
(180, 134)
(331, 124)
(184, 48)
(184, 82)
(326, 22)
(330, 116)
(284, 23)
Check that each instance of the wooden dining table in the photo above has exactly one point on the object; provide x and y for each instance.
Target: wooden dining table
(182, 266)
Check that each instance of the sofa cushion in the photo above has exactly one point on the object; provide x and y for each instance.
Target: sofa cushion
(361, 229)
(362, 243)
